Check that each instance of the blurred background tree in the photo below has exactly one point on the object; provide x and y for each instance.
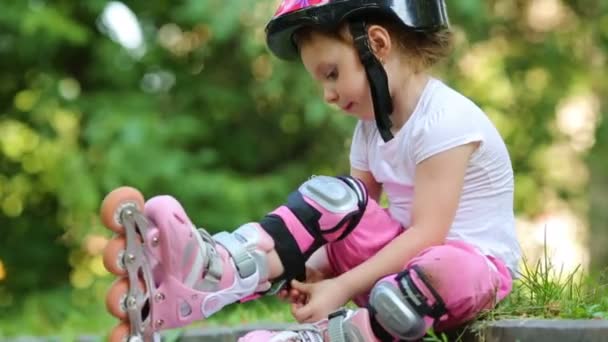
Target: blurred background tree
(185, 99)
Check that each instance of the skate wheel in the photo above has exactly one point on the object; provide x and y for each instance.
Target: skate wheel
(116, 299)
(120, 333)
(116, 201)
(113, 256)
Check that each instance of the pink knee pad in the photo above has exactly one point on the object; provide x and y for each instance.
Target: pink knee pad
(443, 287)
(322, 210)
(405, 305)
(468, 281)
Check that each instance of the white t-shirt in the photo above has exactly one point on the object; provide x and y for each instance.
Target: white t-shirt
(444, 119)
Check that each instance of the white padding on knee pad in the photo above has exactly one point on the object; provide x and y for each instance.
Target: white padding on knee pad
(331, 193)
(395, 314)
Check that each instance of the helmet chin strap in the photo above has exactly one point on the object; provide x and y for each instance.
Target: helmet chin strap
(376, 76)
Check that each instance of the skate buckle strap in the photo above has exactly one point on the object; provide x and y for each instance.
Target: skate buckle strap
(214, 268)
(213, 273)
(335, 325)
(244, 262)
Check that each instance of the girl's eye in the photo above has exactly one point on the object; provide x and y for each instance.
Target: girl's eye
(332, 75)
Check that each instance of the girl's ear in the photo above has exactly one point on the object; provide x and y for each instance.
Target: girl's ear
(380, 41)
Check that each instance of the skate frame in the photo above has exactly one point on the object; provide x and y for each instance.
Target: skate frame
(136, 227)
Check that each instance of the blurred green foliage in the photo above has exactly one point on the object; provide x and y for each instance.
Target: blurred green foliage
(200, 110)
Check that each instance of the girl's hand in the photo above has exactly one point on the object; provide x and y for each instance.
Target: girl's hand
(293, 295)
(320, 299)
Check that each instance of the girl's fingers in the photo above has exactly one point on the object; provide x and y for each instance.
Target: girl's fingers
(303, 287)
(302, 313)
(283, 294)
(294, 294)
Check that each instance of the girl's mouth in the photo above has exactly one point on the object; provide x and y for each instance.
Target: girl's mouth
(348, 107)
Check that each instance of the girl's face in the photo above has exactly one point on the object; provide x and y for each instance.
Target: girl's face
(335, 65)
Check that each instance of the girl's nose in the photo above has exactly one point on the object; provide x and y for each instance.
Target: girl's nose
(330, 95)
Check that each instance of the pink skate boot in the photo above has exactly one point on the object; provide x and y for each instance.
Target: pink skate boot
(341, 326)
(171, 272)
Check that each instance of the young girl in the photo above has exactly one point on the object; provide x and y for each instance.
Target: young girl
(444, 250)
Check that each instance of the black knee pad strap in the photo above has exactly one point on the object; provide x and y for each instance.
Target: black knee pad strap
(409, 289)
(362, 204)
(286, 247)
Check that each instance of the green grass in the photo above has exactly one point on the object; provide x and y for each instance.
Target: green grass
(544, 291)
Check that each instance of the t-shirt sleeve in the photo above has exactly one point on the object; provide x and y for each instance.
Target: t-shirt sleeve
(358, 148)
(443, 130)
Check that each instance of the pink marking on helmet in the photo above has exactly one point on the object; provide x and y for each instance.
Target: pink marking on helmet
(288, 6)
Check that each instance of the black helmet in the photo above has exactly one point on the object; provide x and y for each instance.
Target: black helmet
(415, 15)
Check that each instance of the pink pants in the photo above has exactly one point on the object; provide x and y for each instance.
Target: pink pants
(466, 280)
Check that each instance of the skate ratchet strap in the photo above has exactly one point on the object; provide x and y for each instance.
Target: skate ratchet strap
(213, 268)
(244, 262)
(335, 325)
(416, 298)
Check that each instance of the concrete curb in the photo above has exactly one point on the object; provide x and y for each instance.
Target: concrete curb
(516, 330)
(226, 334)
(541, 330)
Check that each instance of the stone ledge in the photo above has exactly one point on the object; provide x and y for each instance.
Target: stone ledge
(532, 330)
(542, 330)
(226, 334)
